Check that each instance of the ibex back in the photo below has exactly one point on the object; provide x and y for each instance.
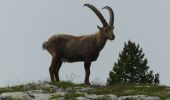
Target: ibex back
(68, 48)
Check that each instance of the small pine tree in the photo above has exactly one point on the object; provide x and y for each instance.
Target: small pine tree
(132, 67)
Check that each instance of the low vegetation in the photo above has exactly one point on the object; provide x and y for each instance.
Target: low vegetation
(68, 96)
(122, 89)
(102, 98)
(8, 98)
(55, 96)
(66, 84)
(117, 89)
(71, 96)
(19, 88)
(131, 89)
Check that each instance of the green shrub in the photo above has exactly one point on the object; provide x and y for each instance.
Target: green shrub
(132, 67)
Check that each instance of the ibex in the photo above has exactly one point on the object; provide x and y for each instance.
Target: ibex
(86, 48)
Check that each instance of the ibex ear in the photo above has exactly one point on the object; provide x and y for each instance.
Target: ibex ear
(99, 27)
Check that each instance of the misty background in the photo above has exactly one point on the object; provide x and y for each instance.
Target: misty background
(26, 24)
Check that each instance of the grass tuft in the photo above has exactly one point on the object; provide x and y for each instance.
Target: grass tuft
(130, 89)
(20, 88)
(8, 98)
(13, 89)
(72, 96)
(66, 84)
(55, 96)
(102, 98)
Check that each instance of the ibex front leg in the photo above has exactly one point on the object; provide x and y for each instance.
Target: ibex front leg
(87, 65)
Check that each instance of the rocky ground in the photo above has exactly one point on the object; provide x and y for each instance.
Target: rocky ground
(46, 91)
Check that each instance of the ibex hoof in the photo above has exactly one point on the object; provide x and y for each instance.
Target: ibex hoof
(87, 83)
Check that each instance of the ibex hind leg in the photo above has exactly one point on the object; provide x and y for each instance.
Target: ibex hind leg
(52, 68)
(57, 68)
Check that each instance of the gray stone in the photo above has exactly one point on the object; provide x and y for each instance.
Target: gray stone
(138, 97)
(101, 96)
(51, 88)
(70, 90)
(85, 90)
(16, 96)
(61, 98)
(61, 93)
(28, 95)
(81, 98)
(91, 96)
(111, 97)
(39, 95)
(152, 98)
(168, 99)
(94, 96)
(168, 93)
(168, 88)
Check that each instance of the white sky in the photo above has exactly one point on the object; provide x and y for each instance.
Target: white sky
(25, 24)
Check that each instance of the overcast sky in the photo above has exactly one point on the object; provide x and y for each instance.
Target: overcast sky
(25, 24)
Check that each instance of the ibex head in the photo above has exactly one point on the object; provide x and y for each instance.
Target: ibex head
(107, 29)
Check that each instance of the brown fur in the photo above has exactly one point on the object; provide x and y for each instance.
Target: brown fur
(68, 48)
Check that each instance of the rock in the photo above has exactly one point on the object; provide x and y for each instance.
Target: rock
(105, 96)
(168, 99)
(168, 90)
(50, 88)
(111, 97)
(39, 94)
(85, 90)
(16, 96)
(28, 95)
(61, 93)
(95, 97)
(152, 98)
(140, 97)
(61, 98)
(70, 90)
(81, 98)
(91, 96)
